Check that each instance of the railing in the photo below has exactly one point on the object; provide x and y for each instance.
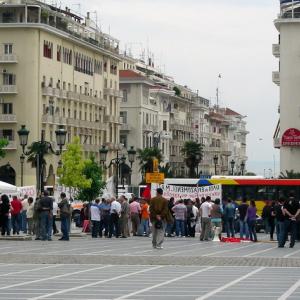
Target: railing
(47, 91)
(12, 145)
(125, 127)
(276, 77)
(113, 92)
(8, 89)
(276, 50)
(8, 58)
(7, 118)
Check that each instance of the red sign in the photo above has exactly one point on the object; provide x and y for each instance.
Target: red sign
(291, 137)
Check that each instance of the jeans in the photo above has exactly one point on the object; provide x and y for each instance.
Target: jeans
(24, 221)
(114, 225)
(135, 221)
(180, 227)
(280, 233)
(230, 226)
(95, 228)
(65, 226)
(292, 226)
(46, 225)
(205, 229)
(5, 226)
(16, 223)
(104, 225)
(170, 228)
(244, 230)
(252, 230)
(54, 225)
(145, 225)
(272, 227)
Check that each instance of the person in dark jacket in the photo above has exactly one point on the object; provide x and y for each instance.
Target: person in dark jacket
(4, 213)
(65, 217)
(46, 208)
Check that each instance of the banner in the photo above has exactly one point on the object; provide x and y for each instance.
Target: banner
(189, 192)
(30, 191)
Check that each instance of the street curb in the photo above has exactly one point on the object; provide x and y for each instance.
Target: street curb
(16, 238)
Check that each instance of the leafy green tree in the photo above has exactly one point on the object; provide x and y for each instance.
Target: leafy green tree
(289, 175)
(3, 144)
(177, 91)
(166, 170)
(72, 171)
(145, 157)
(94, 173)
(250, 174)
(193, 154)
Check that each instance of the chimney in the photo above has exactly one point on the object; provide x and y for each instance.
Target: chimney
(88, 15)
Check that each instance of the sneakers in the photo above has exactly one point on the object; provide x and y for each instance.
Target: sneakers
(159, 247)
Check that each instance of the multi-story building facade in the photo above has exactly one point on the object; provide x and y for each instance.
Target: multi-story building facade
(287, 133)
(56, 69)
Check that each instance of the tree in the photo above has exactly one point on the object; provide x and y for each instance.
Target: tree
(289, 175)
(166, 170)
(3, 144)
(193, 154)
(250, 174)
(72, 171)
(146, 157)
(93, 172)
(177, 91)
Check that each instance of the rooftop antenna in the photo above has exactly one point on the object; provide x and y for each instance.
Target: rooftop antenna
(218, 90)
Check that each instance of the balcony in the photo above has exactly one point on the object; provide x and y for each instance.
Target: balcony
(63, 94)
(277, 143)
(8, 59)
(112, 119)
(276, 50)
(47, 91)
(8, 89)
(12, 145)
(113, 92)
(48, 119)
(125, 127)
(276, 77)
(91, 148)
(8, 118)
(150, 128)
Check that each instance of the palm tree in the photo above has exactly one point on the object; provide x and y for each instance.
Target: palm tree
(289, 175)
(193, 153)
(146, 156)
(167, 170)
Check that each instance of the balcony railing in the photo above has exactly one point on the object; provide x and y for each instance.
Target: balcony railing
(276, 50)
(8, 58)
(7, 118)
(112, 119)
(12, 145)
(8, 89)
(276, 77)
(125, 127)
(113, 92)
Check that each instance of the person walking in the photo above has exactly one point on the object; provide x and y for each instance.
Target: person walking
(145, 215)
(272, 221)
(124, 218)
(16, 209)
(159, 216)
(29, 216)
(65, 216)
(216, 218)
(115, 210)
(46, 207)
(54, 214)
(279, 216)
(23, 214)
(242, 209)
(135, 211)
(229, 215)
(95, 218)
(251, 220)
(171, 226)
(4, 215)
(291, 210)
(266, 214)
(205, 213)
(180, 212)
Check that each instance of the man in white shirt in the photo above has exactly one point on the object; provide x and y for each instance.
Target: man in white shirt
(55, 209)
(115, 210)
(205, 211)
(95, 218)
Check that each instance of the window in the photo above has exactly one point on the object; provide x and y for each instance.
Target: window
(8, 48)
(125, 95)
(58, 54)
(9, 79)
(123, 140)
(48, 49)
(123, 115)
(7, 134)
(165, 125)
(7, 108)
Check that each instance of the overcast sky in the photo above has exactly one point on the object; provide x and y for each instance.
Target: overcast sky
(195, 40)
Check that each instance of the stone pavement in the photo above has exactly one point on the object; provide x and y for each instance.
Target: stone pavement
(87, 268)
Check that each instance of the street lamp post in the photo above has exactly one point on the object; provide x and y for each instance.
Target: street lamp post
(232, 163)
(216, 158)
(198, 159)
(42, 147)
(22, 160)
(117, 162)
(242, 168)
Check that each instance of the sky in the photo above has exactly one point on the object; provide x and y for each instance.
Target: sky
(196, 40)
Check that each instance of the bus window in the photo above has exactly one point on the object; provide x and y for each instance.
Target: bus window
(239, 192)
(250, 192)
(228, 191)
(283, 191)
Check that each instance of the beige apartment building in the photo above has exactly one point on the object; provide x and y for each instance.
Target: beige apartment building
(56, 68)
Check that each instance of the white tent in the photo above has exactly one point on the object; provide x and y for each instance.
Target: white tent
(9, 189)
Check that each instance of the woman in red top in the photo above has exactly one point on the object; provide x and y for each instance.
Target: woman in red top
(16, 208)
(145, 217)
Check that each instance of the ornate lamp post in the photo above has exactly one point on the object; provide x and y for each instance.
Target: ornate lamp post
(232, 163)
(216, 158)
(43, 147)
(117, 161)
(22, 160)
(242, 168)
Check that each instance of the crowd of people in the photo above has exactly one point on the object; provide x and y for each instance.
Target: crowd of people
(159, 217)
